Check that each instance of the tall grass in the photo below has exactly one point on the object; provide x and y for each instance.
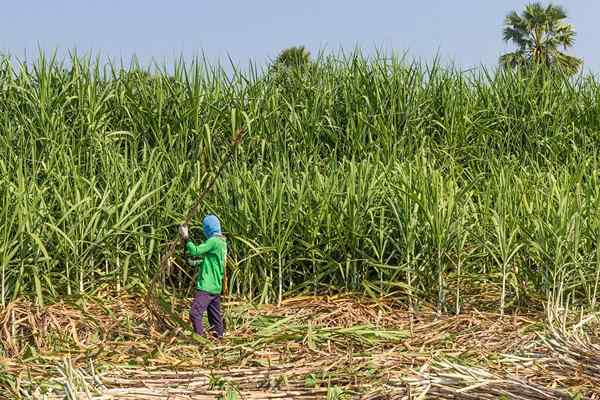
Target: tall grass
(378, 176)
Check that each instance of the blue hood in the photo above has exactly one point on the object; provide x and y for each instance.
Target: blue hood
(212, 226)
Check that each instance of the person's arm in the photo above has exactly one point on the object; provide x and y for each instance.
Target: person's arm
(195, 250)
(192, 249)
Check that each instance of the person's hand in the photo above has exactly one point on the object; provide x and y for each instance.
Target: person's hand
(184, 232)
(192, 262)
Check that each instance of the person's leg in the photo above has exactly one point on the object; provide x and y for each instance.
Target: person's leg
(214, 316)
(199, 306)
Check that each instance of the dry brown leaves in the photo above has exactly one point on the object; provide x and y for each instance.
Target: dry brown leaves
(468, 356)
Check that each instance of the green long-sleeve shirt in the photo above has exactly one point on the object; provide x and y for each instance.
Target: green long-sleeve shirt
(213, 253)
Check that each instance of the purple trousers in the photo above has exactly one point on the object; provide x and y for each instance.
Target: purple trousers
(212, 304)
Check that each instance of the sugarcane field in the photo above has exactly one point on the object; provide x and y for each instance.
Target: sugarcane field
(334, 224)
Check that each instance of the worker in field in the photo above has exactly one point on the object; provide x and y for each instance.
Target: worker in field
(210, 257)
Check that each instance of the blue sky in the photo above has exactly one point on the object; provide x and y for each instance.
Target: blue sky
(467, 33)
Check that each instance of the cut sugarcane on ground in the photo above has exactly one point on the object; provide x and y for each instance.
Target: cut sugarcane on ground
(308, 347)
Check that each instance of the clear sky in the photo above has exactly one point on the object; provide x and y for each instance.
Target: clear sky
(467, 33)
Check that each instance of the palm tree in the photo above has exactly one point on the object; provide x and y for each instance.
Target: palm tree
(540, 33)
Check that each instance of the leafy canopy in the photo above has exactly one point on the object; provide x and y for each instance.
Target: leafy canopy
(540, 33)
(293, 57)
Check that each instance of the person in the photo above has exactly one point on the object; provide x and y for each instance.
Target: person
(209, 281)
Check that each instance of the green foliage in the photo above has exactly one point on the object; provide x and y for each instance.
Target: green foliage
(8, 384)
(291, 71)
(293, 57)
(310, 381)
(377, 176)
(539, 34)
(231, 394)
(335, 393)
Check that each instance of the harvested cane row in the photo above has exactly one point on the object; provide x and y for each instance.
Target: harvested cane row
(442, 380)
(305, 347)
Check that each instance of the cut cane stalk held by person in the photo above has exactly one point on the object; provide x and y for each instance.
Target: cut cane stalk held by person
(210, 257)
